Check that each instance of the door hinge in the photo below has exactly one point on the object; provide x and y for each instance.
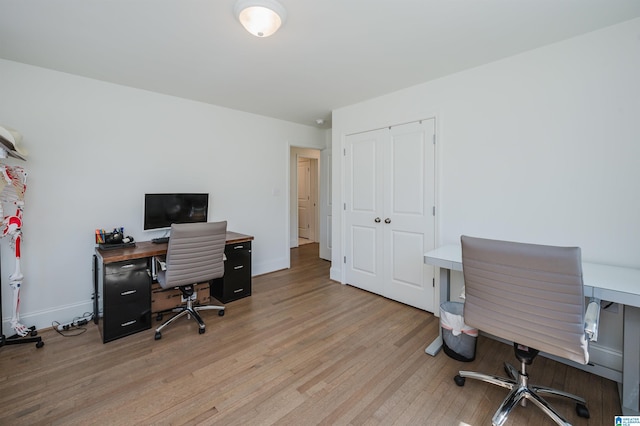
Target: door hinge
(434, 138)
(345, 206)
(344, 152)
(433, 282)
(345, 259)
(434, 210)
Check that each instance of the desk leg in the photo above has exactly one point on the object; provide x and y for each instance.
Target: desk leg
(631, 362)
(445, 277)
(96, 319)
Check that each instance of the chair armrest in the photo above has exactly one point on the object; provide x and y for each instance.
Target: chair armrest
(592, 320)
(161, 263)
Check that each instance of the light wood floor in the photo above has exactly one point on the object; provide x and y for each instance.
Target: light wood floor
(302, 350)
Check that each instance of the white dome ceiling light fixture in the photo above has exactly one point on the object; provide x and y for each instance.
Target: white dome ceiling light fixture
(261, 18)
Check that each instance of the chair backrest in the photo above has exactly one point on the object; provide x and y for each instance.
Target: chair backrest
(529, 294)
(195, 253)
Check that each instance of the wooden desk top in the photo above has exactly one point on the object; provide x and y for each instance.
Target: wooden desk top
(148, 249)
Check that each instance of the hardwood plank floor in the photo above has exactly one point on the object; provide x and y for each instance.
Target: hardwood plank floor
(302, 350)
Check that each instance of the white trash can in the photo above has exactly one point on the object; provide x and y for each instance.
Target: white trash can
(458, 339)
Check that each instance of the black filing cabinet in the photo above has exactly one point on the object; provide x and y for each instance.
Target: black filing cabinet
(236, 282)
(126, 298)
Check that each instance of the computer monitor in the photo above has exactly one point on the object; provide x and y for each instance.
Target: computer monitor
(162, 210)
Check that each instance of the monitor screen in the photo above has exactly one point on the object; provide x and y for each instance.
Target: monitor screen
(161, 210)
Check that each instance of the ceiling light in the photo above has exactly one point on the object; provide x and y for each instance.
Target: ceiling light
(261, 18)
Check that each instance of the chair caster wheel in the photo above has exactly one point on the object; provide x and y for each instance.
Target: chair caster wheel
(34, 333)
(201, 330)
(221, 313)
(459, 380)
(39, 344)
(582, 411)
(159, 317)
(158, 335)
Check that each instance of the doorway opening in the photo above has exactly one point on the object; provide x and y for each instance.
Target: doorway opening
(304, 226)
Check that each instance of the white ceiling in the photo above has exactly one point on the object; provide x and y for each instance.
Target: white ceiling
(329, 53)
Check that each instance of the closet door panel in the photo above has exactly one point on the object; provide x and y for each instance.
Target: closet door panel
(409, 221)
(363, 210)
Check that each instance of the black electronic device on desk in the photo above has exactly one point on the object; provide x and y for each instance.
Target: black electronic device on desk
(113, 240)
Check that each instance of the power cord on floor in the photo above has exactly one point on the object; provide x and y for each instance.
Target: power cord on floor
(76, 327)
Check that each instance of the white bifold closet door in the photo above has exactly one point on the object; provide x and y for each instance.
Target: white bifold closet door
(389, 212)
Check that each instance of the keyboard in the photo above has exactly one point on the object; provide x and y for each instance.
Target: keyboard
(160, 240)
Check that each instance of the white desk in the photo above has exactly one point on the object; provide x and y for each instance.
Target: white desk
(612, 283)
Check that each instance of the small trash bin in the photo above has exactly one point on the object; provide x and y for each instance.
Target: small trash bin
(458, 339)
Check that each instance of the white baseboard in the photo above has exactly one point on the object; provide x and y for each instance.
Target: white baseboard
(335, 273)
(44, 319)
(272, 266)
(66, 313)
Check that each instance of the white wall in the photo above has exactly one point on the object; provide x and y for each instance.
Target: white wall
(541, 147)
(96, 148)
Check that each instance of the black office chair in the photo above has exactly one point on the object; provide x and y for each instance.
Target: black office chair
(531, 295)
(195, 254)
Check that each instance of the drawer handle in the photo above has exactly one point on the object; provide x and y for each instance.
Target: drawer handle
(238, 247)
(238, 290)
(238, 267)
(125, 324)
(131, 265)
(128, 292)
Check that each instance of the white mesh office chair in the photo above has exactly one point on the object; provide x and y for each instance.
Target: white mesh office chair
(531, 295)
(195, 254)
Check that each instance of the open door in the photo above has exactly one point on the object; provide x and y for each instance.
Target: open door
(305, 204)
(325, 204)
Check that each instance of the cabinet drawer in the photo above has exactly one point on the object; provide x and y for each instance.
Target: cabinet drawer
(238, 273)
(227, 289)
(125, 266)
(238, 252)
(238, 270)
(124, 320)
(132, 287)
